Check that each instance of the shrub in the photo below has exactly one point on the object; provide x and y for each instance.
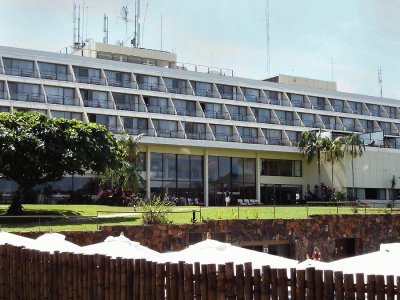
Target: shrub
(155, 210)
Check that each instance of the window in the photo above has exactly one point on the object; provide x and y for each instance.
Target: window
(53, 71)
(276, 167)
(59, 95)
(118, 78)
(185, 108)
(251, 95)
(147, 82)
(177, 86)
(135, 125)
(87, 75)
(126, 101)
(297, 100)
(97, 99)
(202, 88)
(226, 91)
(317, 102)
(25, 92)
(18, 67)
(238, 113)
(262, 115)
(212, 110)
(66, 115)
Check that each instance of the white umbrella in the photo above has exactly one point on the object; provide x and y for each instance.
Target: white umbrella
(311, 263)
(384, 262)
(51, 242)
(121, 247)
(213, 252)
(14, 239)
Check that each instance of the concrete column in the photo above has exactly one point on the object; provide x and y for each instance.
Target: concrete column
(205, 163)
(258, 172)
(148, 172)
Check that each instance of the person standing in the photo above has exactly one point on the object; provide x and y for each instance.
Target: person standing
(227, 198)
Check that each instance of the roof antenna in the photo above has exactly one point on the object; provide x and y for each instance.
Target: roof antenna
(380, 81)
(77, 26)
(124, 16)
(105, 29)
(267, 29)
(136, 38)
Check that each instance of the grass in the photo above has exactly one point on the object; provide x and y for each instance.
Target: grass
(84, 217)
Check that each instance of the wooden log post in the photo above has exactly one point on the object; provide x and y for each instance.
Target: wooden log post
(301, 285)
(197, 281)
(100, 273)
(118, 278)
(3, 249)
(124, 279)
(282, 284)
(257, 284)
(329, 290)
(349, 288)
(56, 271)
(75, 276)
(80, 275)
(167, 281)
(130, 264)
(136, 279)
(274, 284)
(69, 265)
(181, 281)
(12, 276)
(212, 281)
(142, 278)
(293, 283)
(370, 287)
(148, 280)
(230, 281)
(160, 286)
(360, 286)
(107, 263)
(221, 282)
(318, 284)
(239, 282)
(266, 283)
(380, 287)
(45, 275)
(153, 280)
(398, 287)
(310, 283)
(188, 281)
(339, 291)
(113, 264)
(248, 280)
(173, 268)
(204, 282)
(390, 290)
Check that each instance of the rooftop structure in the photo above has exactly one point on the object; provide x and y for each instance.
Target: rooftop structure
(205, 134)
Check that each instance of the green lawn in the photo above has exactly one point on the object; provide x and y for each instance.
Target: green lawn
(74, 217)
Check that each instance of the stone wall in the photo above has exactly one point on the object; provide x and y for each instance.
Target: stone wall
(322, 231)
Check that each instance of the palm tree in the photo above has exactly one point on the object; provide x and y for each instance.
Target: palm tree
(312, 145)
(354, 147)
(336, 152)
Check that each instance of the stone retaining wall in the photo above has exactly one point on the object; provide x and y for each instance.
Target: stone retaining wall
(322, 231)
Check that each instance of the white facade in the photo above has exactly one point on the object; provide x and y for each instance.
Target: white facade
(207, 115)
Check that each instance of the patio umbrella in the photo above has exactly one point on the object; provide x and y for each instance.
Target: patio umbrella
(14, 239)
(121, 247)
(51, 242)
(214, 252)
(384, 262)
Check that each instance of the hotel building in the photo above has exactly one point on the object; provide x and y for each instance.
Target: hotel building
(203, 130)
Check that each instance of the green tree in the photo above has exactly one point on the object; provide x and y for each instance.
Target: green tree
(312, 145)
(126, 177)
(355, 148)
(336, 152)
(35, 149)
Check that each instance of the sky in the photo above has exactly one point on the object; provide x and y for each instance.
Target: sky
(344, 40)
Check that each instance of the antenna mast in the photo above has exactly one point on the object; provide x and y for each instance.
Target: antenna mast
(380, 81)
(77, 26)
(267, 29)
(136, 38)
(105, 29)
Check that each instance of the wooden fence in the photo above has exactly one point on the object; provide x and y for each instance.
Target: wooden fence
(30, 274)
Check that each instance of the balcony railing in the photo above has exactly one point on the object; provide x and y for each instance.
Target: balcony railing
(151, 87)
(129, 106)
(90, 80)
(185, 112)
(29, 97)
(137, 131)
(214, 114)
(53, 76)
(263, 119)
(119, 83)
(196, 135)
(225, 137)
(98, 103)
(160, 109)
(178, 90)
(238, 117)
(114, 128)
(248, 139)
(19, 72)
(275, 101)
(206, 93)
(167, 133)
(63, 100)
(274, 141)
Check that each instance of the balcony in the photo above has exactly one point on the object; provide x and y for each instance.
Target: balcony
(288, 122)
(98, 103)
(120, 83)
(178, 90)
(275, 102)
(263, 119)
(185, 112)
(238, 117)
(89, 80)
(62, 100)
(206, 93)
(53, 76)
(114, 128)
(274, 141)
(318, 106)
(225, 137)
(214, 114)
(19, 72)
(160, 110)
(28, 97)
(151, 87)
(137, 131)
(168, 133)
(129, 106)
(248, 139)
(196, 135)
